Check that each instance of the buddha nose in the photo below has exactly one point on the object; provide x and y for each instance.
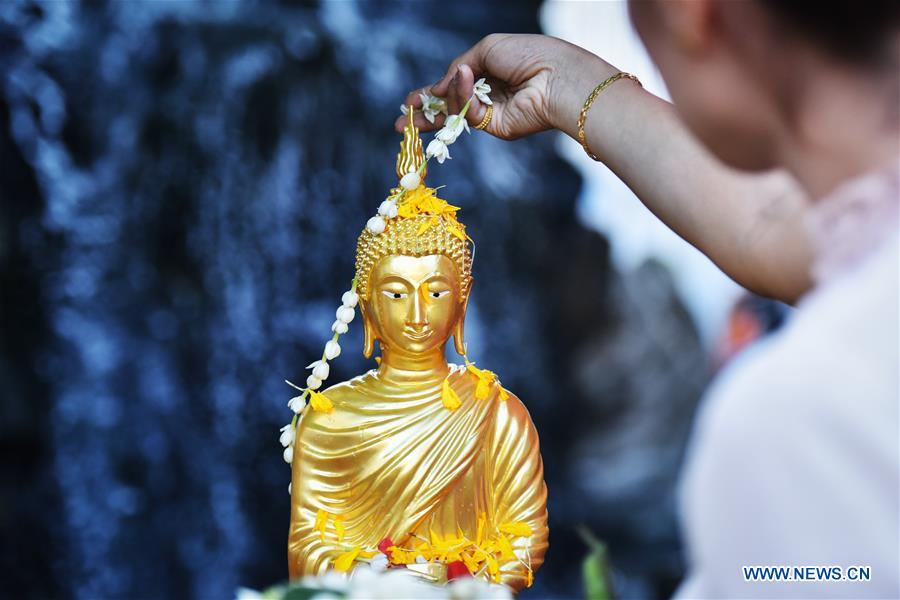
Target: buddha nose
(417, 318)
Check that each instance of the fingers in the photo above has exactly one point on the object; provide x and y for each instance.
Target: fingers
(439, 89)
(476, 112)
(475, 57)
(455, 87)
(466, 89)
(419, 121)
(415, 98)
(461, 89)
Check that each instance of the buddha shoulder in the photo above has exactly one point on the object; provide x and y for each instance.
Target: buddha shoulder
(512, 417)
(339, 397)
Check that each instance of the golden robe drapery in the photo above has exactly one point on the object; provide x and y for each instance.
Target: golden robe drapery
(391, 460)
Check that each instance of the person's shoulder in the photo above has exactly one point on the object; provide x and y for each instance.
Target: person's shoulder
(854, 315)
(785, 378)
(838, 353)
(813, 377)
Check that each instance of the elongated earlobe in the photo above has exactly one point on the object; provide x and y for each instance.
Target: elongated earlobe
(459, 341)
(369, 336)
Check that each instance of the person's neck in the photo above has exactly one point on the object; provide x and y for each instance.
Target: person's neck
(403, 367)
(846, 126)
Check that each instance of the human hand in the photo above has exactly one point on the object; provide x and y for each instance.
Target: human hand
(537, 83)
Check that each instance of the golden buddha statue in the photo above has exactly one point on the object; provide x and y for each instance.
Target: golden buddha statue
(426, 462)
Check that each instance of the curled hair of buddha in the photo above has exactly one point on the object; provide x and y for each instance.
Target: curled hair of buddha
(413, 237)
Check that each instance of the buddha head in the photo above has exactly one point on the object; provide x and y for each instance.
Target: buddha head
(414, 275)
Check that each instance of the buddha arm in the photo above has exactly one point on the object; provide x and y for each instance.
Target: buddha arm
(307, 553)
(520, 494)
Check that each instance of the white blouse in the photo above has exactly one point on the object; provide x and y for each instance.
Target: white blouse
(795, 458)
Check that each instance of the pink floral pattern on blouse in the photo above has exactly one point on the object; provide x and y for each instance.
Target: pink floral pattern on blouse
(853, 221)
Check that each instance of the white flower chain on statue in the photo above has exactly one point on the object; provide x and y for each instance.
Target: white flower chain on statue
(297, 404)
(320, 368)
(287, 436)
(410, 181)
(376, 224)
(332, 350)
(388, 208)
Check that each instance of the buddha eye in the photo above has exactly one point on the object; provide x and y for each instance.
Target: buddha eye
(440, 294)
(394, 295)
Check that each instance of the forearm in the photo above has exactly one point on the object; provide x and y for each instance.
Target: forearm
(749, 225)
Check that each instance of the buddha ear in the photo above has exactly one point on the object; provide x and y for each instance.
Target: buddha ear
(369, 336)
(459, 342)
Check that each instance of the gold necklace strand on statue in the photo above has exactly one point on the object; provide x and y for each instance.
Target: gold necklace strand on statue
(590, 100)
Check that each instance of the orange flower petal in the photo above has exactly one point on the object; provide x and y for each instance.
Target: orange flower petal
(449, 397)
(319, 402)
(344, 562)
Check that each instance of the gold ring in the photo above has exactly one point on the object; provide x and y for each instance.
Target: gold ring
(487, 118)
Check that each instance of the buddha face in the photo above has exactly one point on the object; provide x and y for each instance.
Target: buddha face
(414, 303)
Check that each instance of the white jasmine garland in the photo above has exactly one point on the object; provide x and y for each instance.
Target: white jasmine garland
(452, 129)
(438, 150)
(385, 208)
(446, 136)
(350, 298)
(313, 382)
(298, 403)
(482, 89)
(287, 435)
(345, 314)
(332, 350)
(376, 224)
(410, 181)
(320, 369)
(432, 106)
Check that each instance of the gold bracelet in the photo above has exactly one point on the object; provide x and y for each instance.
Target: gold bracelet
(590, 100)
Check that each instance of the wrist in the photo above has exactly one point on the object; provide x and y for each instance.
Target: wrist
(572, 86)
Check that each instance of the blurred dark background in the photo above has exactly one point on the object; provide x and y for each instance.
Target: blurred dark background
(181, 187)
